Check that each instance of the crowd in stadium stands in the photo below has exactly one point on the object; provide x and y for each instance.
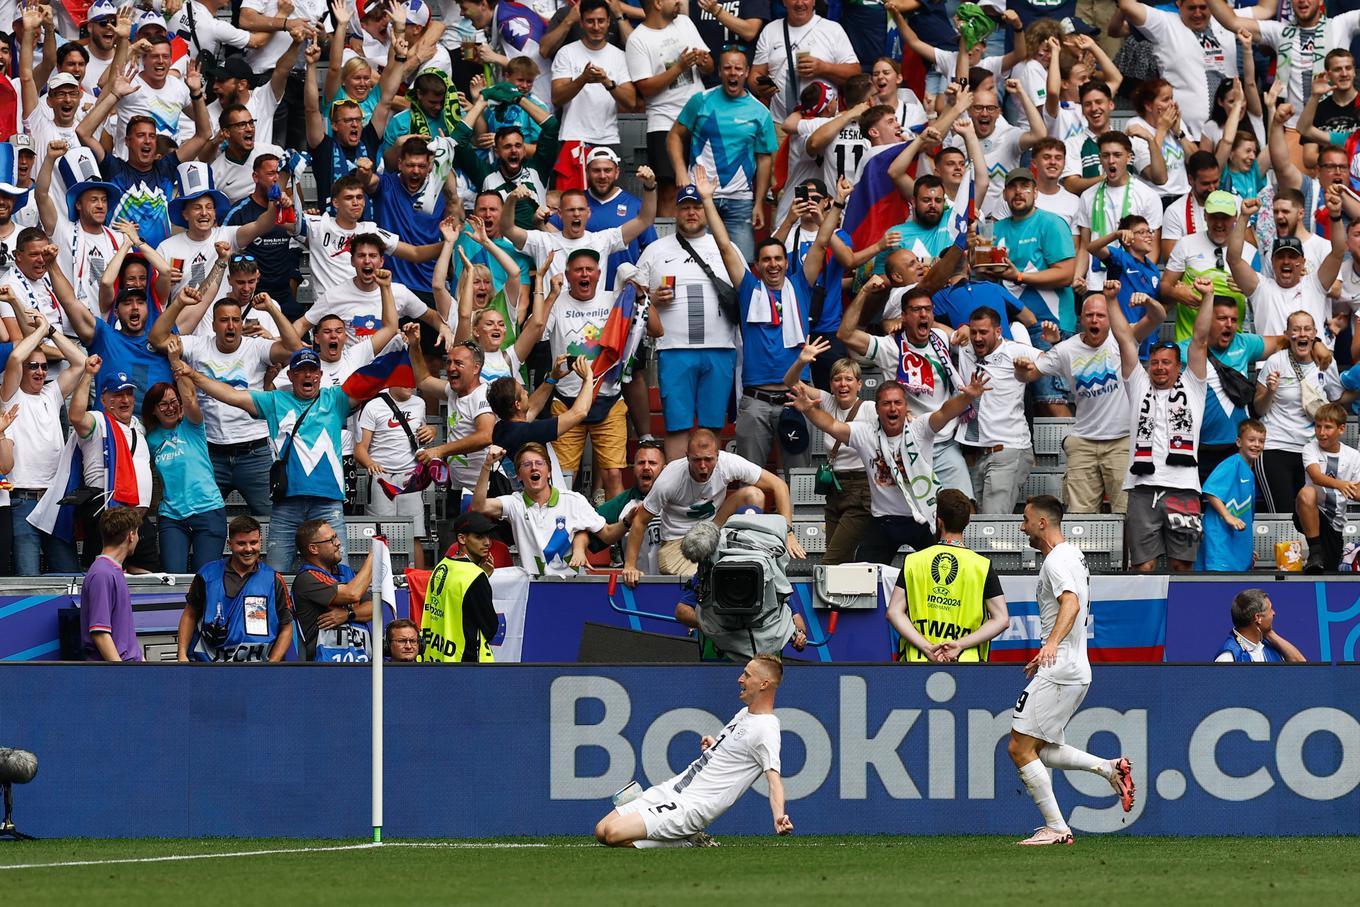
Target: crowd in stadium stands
(330, 257)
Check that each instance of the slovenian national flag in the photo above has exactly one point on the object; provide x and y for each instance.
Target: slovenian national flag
(875, 207)
(391, 369)
(518, 25)
(620, 337)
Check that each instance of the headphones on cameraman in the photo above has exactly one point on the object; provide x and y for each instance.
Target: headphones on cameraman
(387, 643)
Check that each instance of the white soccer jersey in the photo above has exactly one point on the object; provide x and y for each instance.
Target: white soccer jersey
(747, 748)
(1064, 570)
(329, 245)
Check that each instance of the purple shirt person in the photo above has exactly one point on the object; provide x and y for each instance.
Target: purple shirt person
(107, 632)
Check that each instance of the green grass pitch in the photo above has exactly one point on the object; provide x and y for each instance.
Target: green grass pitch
(801, 870)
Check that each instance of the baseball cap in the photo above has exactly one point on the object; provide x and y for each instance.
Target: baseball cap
(586, 251)
(1073, 25)
(118, 381)
(602, 152)
(1019, 173)
(23, 142)
(688, 194)
(1287, 244)
(304, 357)
(234, 67)
(1220, 202)
(150, 19)
(103, 9)
(475, 523)
(62, 80)
(793, 431)
(417, 13)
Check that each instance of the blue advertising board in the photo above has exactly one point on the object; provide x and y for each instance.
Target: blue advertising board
(164, 750)
(1321, 618)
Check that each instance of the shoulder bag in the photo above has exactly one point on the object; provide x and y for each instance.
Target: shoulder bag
(727, 294)
(278, 470)
(826, 481)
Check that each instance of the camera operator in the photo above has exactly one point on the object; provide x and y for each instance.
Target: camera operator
(739, 598)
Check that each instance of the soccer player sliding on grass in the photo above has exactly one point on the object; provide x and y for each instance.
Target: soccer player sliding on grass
(1063, 676)
(675, 813)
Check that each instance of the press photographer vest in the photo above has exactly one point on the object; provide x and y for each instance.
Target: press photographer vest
(441, 621)
(251, 621)
(944, 586)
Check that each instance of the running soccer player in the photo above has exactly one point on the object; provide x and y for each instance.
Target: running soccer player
(675, 812)
(1062, 675)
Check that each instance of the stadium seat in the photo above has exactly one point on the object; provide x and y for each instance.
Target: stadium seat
(803, 489)
(359, 532)
(1270, 529)
(1043, 482)
(1100, 537)
(1048, 434)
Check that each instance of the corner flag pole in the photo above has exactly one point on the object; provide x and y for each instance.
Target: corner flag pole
(382, 572)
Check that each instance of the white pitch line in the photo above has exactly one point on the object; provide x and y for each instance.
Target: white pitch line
(475, 845)
(465, 845)
(189, 856)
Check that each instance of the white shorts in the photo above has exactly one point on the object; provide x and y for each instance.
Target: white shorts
(412, 505)
(1045, 707)
(669, 816)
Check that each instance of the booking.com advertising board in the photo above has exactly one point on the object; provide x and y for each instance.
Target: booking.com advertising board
(498, 750)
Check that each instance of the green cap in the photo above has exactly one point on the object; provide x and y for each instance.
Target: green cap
(1020, 173)
(1220, 202)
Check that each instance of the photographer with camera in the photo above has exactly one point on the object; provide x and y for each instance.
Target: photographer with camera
(739, 597)
(237, 608)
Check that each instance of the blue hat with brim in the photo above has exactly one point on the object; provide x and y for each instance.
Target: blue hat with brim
(9, 175)
(80, 172)
(195, 180)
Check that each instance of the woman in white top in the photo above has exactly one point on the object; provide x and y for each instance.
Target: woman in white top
(886, 77)
(1280, 401)
(1161, 142)
(847, 514)
(480, 322)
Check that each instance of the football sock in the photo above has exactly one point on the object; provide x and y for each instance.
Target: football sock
(1040, 787)
(643, 843)
(1060, 755)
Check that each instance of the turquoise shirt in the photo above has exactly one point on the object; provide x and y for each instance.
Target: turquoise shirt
(314, 456)
(1225, 549)
(181, 457)
(725, 135)
(926, 242)
(1036, 243)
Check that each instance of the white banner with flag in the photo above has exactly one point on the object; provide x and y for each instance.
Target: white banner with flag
(510, 596)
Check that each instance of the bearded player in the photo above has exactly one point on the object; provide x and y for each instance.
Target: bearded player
(1062, 675)
(676, 812)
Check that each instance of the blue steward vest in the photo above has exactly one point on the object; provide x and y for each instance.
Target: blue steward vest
(1241, 654)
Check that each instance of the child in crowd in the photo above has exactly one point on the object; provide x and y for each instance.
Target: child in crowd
(521, 73)
(391, 429)
(1332, 479)
(1130, 263)
(1230, 505)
